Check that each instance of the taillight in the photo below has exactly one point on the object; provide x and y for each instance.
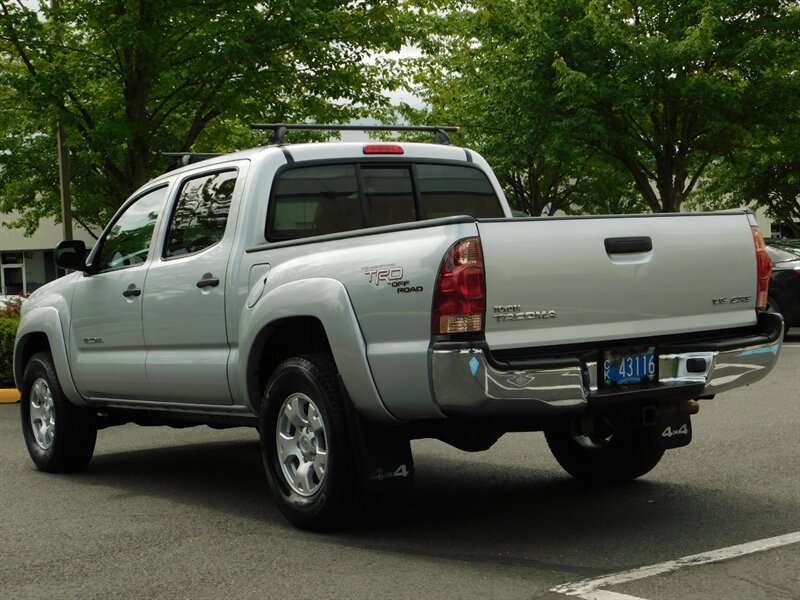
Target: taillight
(459, 303)
(764, 265)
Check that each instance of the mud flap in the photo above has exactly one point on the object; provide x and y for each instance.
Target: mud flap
(385, 463)
(674, 431)
(384, 458)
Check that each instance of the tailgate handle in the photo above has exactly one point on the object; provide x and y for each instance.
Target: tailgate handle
(628, 245)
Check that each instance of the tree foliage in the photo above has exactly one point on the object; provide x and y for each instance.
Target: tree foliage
(130, 79)
(479, 70)
(763, 173)
(661, 88)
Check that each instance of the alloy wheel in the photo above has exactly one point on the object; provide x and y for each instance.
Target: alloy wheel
(302, 444)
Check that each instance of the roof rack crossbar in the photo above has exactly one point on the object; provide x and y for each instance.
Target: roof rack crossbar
(279, 129)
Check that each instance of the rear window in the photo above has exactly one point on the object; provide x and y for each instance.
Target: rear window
(317, 200)
(448, 190)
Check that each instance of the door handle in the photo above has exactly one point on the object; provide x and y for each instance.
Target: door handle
(132, 291)
(628, 245)
(208, 281)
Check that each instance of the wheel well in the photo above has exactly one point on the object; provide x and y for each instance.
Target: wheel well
(281, 340)
(27, 347)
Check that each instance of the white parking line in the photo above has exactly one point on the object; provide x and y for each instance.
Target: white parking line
(590, 589)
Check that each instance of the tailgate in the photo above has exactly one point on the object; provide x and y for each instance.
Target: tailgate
(570, 280)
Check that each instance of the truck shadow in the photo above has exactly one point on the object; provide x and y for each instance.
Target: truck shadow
(220, 475)
(466, 509)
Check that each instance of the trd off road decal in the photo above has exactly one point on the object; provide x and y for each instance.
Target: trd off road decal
(391, 276)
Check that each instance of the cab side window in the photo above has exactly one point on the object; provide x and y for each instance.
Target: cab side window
(201, 213)
(129, 240)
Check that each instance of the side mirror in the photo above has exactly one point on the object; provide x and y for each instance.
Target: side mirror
(71, 255)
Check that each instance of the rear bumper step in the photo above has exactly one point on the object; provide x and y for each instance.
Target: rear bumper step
(467, 382)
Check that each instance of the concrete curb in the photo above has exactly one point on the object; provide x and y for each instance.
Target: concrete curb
(9, 395)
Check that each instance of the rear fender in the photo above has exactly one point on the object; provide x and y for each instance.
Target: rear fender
(327, 301)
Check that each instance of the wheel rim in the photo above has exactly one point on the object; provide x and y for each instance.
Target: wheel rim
(592, 442)
(43, 417)
(302, 444)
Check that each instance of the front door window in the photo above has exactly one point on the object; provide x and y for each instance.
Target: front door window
(128, 241)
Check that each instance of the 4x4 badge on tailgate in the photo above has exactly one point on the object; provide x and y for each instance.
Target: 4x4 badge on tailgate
(734, 300)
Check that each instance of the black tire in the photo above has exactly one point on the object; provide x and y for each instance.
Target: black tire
(64, 440)
(774, 307)
(332, 496)
(625, 455)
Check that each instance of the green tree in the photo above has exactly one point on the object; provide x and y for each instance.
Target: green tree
(130, 79)
(659, 87)
(479, 70)
(763, 173)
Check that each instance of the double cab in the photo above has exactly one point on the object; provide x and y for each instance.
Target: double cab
(345, 298)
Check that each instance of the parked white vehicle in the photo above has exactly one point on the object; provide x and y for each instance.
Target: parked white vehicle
(345, 298)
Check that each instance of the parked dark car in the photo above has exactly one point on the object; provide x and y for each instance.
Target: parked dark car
(784, 285)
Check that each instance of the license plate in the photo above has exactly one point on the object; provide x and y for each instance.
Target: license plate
(630, 366)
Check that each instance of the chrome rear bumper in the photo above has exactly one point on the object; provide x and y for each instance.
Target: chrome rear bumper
(467, 381)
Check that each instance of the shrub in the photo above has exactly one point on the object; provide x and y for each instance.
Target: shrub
(8, 330)
(11, 307)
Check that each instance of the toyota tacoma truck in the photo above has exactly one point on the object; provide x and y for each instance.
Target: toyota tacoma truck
(345, 298)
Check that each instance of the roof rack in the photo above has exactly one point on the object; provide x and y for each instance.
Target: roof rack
(181, 159)
(279, 130)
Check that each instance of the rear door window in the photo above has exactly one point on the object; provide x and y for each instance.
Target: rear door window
(201, 213)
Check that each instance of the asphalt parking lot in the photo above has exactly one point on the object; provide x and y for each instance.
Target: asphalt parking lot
(164, 513)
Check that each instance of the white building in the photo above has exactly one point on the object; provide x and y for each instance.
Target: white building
(27, 262)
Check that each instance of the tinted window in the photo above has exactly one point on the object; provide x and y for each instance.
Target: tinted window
(315, 201)
(390, 195)
(334, 198)
(128, 242)
(201, 213)
(448, 190)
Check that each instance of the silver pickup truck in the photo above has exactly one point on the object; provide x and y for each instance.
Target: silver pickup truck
(346, 298)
